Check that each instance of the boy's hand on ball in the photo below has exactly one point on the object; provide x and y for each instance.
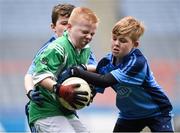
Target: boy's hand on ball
(70, 94)
(93, 94)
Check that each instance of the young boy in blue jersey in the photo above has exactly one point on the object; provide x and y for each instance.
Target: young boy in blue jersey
(139, 98)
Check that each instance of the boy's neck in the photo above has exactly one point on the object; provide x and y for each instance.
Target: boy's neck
(116, 61)
(69, 38)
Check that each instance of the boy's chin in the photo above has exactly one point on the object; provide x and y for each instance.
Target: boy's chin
(81, 46)
(115, 54)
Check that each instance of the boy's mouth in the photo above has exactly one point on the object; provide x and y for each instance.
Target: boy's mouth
(116, 49)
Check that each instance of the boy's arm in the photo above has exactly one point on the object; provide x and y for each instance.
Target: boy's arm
(47, 83)
(94, 78)
(67, 92)
(91, 77)
(32, 93)
(92, 63)
(92, 59)
(91, 68)
(28, 79)
(28, 82)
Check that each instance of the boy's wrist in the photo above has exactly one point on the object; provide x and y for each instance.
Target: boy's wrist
(29, 93)
(56, 89)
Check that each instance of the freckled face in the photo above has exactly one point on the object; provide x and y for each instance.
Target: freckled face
(82, 33)
(121, 46)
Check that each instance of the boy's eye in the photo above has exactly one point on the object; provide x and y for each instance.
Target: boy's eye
(122, 40)
(85, 32)
(114, 38)
(64, 23)
(92, 34)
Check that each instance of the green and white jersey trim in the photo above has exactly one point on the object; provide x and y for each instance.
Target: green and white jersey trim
(37, 77)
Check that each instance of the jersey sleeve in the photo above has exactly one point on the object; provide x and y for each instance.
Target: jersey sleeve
(31, 68)
(99, 89)
(92, 59)
(133, 72)
(46, 65)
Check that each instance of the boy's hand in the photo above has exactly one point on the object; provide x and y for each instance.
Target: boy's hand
(103, 62)
(93, 93)
(69, 72)
(81, 66)
(64, 75)
(35, 96)
(68, 93)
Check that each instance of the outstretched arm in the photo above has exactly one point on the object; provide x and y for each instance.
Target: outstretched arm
(94, 78)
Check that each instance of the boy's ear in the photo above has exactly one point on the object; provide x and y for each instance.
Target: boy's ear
(52, 26)
(136, 43)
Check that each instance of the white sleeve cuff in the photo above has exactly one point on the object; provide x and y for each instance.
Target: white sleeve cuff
(39, 77)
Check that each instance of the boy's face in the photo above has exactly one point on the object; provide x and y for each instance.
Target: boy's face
(121, 45)
(81, 33)
(60, 26)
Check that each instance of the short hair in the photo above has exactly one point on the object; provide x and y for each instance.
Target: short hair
(83, 13)
(129, 26)
(61, 10)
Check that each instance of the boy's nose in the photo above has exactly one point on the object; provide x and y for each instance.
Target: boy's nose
(65, 27)
(116, 43)
(89, 36)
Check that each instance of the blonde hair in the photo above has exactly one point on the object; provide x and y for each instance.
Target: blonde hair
(129, 26)
(83, 13)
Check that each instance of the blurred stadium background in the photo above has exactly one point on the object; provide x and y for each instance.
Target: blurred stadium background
(24, 27)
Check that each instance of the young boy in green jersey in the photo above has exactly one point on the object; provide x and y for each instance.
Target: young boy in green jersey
(60, 15)
(59, 21)
(69, 50)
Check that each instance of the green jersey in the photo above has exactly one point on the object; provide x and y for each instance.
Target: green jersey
(58, 56)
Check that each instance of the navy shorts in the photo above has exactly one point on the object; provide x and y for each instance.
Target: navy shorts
(162, 123)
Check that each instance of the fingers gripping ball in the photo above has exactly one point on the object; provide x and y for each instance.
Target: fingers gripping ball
(82, 89)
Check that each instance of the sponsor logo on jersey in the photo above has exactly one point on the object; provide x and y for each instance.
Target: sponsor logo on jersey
(123, 92)
(44, 61)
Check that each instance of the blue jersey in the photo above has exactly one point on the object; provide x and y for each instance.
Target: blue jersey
(32, 66)
(138, 95)
(91, 61)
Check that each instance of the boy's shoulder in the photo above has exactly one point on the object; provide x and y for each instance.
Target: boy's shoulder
(136, 53)
(59, 42)
(108, 56)
(135, 57)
